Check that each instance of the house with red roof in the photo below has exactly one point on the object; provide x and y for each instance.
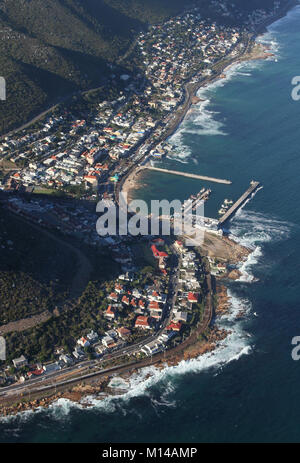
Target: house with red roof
(93, 179)
(154, 305)
(155, 296)
(133, 303)
(156, 314)
(110, 313)
(118, 288)
(142, 322)
(192, 297)
(125, 300)
(163, 254)
(123, 332)
(141, 304)
(155, 251)
(83, 342)
(174, 326)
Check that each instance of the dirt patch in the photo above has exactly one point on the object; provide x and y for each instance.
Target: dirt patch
(25, 323)
(223, 248)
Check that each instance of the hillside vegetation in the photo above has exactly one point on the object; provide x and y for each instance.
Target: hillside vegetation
(53, 48)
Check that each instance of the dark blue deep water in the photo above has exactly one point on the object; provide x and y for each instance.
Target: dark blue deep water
(249, 389)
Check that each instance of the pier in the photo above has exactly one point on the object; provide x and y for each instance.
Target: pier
(252, 188)
(186, 174)
(201, 197)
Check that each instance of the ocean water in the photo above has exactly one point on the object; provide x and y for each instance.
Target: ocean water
(248, 390)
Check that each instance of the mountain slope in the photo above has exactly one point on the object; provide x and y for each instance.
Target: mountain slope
(52, 48)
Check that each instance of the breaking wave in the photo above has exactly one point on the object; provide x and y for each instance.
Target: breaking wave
(182, 151)
(155, 384)
(159, 385)
(253, 229)
(201, 119)
(270, 42)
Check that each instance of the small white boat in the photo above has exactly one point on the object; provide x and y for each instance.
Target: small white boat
(255, 314)
(222, 211)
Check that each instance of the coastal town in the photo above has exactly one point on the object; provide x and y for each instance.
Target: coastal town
(86, 156)
(142, 318)
(53, 173)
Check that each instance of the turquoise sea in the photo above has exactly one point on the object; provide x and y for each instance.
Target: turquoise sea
(248, 390)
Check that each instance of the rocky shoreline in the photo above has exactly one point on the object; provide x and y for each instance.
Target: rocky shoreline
(196, 345)
(81, 393)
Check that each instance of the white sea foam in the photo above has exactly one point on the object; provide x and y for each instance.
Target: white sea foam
(232, 72)
(60, 410)
(237, 304)
(118, 382)
(182, 152)
(145, 381)
(271, 43)
(26, 416)
(246, 267)
(202, 120)
(253, 229)
(159, 385)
